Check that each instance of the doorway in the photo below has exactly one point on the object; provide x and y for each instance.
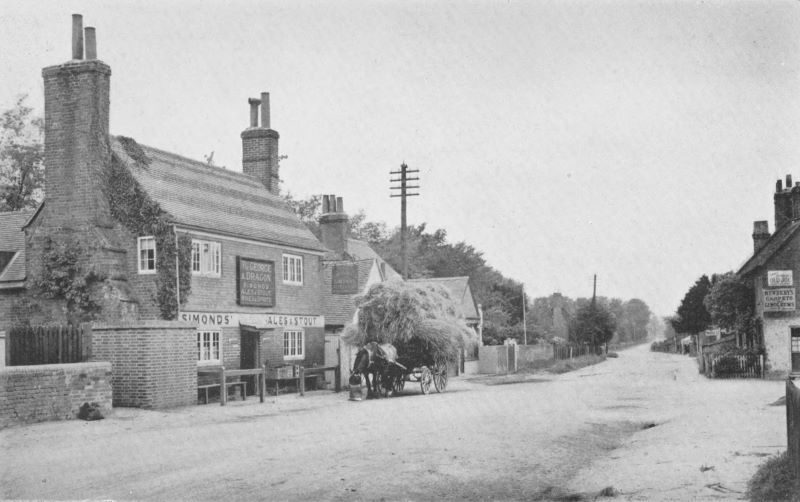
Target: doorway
(250, 354)
(795, 347)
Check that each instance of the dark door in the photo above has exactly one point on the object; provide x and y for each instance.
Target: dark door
(795, 350)
(250, 345)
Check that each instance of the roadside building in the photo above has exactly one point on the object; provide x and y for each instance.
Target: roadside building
(154, 235)
(773, 268)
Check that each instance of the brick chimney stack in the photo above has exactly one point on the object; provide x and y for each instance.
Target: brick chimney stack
(260, 146)
(334, 224)
(760, 234)
(76, 143)
(783, 203)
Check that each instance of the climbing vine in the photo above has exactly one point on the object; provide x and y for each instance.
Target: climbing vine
(64, 277)
(141, 215)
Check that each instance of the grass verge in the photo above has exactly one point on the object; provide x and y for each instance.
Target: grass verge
(774, 481)
(566, 365)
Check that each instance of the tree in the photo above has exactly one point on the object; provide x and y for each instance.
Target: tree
(731, 303)
(593, 324)
(21, 158)
(692, 316)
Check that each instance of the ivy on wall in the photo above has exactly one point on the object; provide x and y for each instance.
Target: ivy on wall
(64, 277)
(135, 210)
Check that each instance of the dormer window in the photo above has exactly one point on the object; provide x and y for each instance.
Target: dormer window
(147, 255)
(206, 258)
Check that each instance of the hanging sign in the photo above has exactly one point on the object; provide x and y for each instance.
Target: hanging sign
(255, 282)
(777, 278)
(345, 279)
(779, 300)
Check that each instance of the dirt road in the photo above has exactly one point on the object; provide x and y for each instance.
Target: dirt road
(539, 440)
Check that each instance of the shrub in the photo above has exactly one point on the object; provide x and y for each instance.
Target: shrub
(774, 481)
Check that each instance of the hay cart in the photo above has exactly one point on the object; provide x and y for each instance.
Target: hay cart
(424, 371)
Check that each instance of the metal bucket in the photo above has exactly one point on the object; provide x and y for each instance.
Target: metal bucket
(355, 388)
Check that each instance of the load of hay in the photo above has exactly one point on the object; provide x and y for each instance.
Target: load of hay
(421, 320)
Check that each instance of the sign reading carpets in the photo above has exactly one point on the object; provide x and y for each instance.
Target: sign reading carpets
(779, 300)
(778, 278)
(345, 279)
(255, 282)
(263, 321)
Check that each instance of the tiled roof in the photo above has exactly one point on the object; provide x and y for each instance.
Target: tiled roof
(772, 246)
(216, 200)
(12, 240)
(339, 309)
(361, 250)
(459, 288)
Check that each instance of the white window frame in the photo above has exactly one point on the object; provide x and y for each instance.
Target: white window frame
(292, 266)
(139, 249)
(207, 264)
(294, 344)
(209, 344)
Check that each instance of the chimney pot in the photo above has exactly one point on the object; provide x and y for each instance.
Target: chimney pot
(339, 205)
(778, 186)
(254, 111)
(332, 207)
(91, 43)
(326, 205)
(265, 110)
(788, 181)
(77, 36)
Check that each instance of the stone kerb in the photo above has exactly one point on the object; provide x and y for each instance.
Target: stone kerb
(154, 363)
(52, 391)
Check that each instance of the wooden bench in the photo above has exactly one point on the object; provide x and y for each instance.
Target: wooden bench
(242, 387)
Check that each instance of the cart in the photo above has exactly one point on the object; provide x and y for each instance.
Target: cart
(434, 372)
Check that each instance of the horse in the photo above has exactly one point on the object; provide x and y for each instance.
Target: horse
(376, 359)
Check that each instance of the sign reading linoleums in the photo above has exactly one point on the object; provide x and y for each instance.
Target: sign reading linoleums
(258, 320)
(777, 278)
(779, 300)
(255, 282)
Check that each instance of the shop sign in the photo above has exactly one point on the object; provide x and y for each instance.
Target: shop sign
(255, 282)
(779, 300)
(221, 319)
(345, 279)
(778, 278)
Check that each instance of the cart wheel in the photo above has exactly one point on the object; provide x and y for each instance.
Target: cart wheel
(425, 380)
(399, 383)
(440, 377)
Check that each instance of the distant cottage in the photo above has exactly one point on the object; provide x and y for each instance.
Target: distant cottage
(774, 268)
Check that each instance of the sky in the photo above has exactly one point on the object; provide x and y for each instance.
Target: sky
(633, 140)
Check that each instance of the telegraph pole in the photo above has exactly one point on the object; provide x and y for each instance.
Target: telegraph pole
(404, 188)
(524, 323)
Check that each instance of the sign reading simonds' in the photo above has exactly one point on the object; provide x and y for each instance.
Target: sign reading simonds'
(255, 282)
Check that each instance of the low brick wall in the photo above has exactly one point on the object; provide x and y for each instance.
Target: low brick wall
(154, 362)
(52, 391)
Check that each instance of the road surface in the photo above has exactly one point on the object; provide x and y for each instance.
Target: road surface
(645, 424)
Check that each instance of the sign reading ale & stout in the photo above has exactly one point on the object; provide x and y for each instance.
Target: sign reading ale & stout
(255, 282)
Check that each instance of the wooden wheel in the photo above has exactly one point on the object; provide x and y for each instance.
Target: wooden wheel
(425, 380)
(440, 377)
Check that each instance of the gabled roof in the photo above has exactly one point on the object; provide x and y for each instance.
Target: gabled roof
(460, 290)
(12, 247)
(361, 250)
(774, 244)
(212, 199)
(339, 309)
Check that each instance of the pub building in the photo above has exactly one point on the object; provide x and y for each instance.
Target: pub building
(255, 267)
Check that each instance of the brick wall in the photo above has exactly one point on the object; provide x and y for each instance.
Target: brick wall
(154, 362)
(52, 391)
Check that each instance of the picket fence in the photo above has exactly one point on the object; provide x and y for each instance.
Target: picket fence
(33, 345)
(734, 366)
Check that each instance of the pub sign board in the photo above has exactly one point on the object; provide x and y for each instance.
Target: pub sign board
(345, 279)
(779, 300)
(255, 282)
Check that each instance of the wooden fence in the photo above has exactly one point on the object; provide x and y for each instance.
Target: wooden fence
(32, 345)
(734, 366)
(793, 425)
